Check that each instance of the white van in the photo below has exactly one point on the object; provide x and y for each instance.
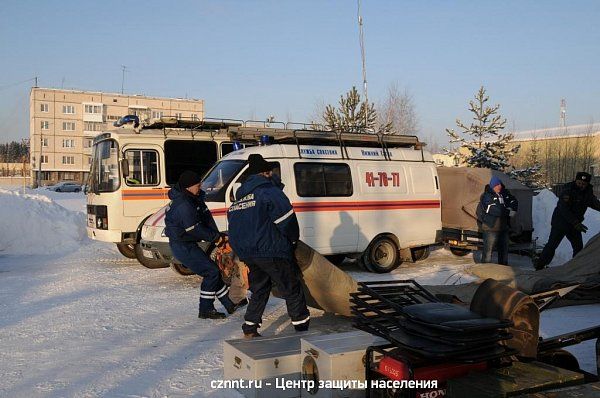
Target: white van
(349, 199)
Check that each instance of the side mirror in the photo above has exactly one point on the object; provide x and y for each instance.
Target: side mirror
(125, 168)
(234, 187)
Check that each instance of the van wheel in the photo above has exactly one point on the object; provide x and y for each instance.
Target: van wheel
(336, 259)
(459, 252)
(181, 269)
(420, 253)
(126, 249)
(381, 256)
(148, 262)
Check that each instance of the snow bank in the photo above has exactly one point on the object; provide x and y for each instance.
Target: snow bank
(34, 224)
(543, 206)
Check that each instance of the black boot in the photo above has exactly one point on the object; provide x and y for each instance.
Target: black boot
(252, 335)
(233, 308)
(211, 314)
(303, 327)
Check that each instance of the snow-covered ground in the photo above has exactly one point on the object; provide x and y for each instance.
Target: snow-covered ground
(79, 320)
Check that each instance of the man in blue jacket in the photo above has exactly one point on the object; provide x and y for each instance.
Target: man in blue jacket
(496, 206)
(189, 221)
(263, 231)
(568, 216)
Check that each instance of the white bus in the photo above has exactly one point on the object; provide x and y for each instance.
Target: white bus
(132, 170)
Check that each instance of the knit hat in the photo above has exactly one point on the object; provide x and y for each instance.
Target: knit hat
(583, 176)
(495, 181)
(189, 178)
(258, 164)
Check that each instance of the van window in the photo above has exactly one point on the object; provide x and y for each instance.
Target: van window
(323, 179)
(216, 180)
(181, 155)
(143, 167)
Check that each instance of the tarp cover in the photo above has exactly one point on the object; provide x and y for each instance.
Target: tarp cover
(583, 269)
(461, 188)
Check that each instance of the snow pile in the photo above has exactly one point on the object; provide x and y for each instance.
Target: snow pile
(34, 224)
(543, 206)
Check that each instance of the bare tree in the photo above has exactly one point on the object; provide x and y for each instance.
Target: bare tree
(398, 111)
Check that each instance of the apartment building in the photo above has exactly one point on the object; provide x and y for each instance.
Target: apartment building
(63, 124)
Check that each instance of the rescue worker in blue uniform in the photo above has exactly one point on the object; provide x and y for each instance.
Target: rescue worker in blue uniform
(496, 206)
(263, 232)
(568, 216)
(189, 221)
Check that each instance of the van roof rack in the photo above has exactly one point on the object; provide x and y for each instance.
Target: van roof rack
(320, 137)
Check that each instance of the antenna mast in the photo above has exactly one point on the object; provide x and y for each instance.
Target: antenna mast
(361, 37)
(124, 68)
(563, 113)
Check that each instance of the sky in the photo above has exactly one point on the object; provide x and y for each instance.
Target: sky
(253, 59)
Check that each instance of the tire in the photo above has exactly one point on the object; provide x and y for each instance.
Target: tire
(336, 259)
(148, 262)
(419, 253)
(382, 255)
(459, 252)
(181, 269)
(126, 249)
(58, 190)
(77, 190)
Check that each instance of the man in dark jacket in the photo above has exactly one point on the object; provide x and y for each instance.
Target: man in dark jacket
(568, 216)
(496, 206)
(263, 231)
(189, 221)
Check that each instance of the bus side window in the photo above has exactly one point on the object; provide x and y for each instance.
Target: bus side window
(143, 167)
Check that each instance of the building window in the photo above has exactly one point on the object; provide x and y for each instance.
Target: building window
(143, 167)
(87, 142)
(46, 175)
(44, 142)
(68, 126)
(93, 109)
(69, 109)
(323, 179)
(68, 176)
(45, 125)
(93, 126)
(194, 116)
(157, 114)
(70, 143)
(112, 117)
(44, 107)
(68, 159)
(178, 115)
(44, 159)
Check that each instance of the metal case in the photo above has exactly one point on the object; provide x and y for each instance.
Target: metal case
(265, 359)
(336, 357)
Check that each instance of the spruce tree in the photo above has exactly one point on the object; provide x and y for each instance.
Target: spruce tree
(531, 175)
(482, 143)
(352, 115)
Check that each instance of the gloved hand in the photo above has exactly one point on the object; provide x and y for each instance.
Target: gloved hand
(580, 227)
(223, 239)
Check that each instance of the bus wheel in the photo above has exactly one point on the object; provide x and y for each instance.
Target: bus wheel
(148, 262)
(126, 249)
(459, 252)
(382, 255)
(420, 253)
(181, 269)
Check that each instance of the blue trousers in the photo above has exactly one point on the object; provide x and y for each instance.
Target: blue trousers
(212, 285)
(557, 233)
(498, 239)
(286, 276)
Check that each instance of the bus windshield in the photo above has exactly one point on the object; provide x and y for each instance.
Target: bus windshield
(216, 181)
(104, 174)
